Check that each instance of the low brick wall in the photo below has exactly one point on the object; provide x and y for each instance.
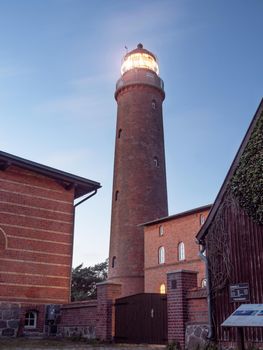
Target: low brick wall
(197, 311)
(9, 319)
(78, 319)
(196, 330)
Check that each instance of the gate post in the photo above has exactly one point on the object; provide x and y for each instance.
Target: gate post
(105, 322)
(178, 282)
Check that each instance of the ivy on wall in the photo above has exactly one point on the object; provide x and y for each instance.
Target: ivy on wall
(247, 182)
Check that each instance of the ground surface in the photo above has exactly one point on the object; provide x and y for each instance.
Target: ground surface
(50, 344)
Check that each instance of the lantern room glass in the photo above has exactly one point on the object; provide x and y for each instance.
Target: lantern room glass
(139, 60)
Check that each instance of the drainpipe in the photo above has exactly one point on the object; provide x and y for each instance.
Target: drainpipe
(211, 332)
(83, 200)
(72, 242)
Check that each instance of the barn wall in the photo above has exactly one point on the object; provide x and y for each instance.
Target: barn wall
(235, 246)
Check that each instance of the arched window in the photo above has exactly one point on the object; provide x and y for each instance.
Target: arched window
(116, 195)
(204, 283)
(119, 133)
(3, 240)
(113, 261)
(181, 251)
(31, 319)
(202, 219)
(161, 230)
(154, 105)
(162, 289)
(161, 255)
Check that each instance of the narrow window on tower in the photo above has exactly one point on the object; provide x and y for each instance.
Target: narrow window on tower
(119, 133)
(154, 105)
(113, 262)
(156, 162)
(116, 195)
(161, 255)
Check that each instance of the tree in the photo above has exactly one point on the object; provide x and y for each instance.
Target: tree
(84, 279)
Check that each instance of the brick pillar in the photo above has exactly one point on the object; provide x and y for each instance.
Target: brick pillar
(178, 282)
(105, 322)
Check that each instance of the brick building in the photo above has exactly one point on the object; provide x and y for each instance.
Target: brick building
(36, 230)
(169, 244)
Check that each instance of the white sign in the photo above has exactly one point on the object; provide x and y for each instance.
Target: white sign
(247, 315)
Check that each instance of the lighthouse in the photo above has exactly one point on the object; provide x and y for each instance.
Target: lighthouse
(139, 180)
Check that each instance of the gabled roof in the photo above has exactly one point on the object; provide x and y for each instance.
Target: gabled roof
(178, 215)
(82, 186)
(204, 229)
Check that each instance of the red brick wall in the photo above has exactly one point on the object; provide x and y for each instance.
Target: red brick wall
(36, 218)
(79, 314)
(197, 310)
(176, 230)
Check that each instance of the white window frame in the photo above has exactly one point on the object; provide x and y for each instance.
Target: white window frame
(161, 255)
(181, 251)
(204, 283)
(31, 315)
(202, 219)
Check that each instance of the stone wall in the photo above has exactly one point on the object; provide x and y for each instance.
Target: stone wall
(196, 336)
(9, 319)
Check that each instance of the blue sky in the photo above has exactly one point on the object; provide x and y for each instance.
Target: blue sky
(60, 60)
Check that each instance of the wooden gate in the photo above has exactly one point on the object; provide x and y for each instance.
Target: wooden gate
(141, 318)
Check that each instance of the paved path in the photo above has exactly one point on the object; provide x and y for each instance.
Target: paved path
(23, 344)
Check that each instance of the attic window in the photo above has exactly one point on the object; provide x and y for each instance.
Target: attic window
(161, 230)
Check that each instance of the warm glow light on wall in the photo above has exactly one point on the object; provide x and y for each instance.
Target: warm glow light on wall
(139, 60)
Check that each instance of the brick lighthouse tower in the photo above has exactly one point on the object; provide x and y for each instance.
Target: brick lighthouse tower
(139, 185)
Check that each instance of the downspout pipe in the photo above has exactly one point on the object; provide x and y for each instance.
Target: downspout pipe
(86, 198)
(73, 227)
(201, 254)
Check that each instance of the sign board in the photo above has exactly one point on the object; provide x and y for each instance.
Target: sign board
(246, 315)
(239, 292)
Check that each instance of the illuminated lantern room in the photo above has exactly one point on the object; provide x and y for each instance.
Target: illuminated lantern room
(139, 58)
